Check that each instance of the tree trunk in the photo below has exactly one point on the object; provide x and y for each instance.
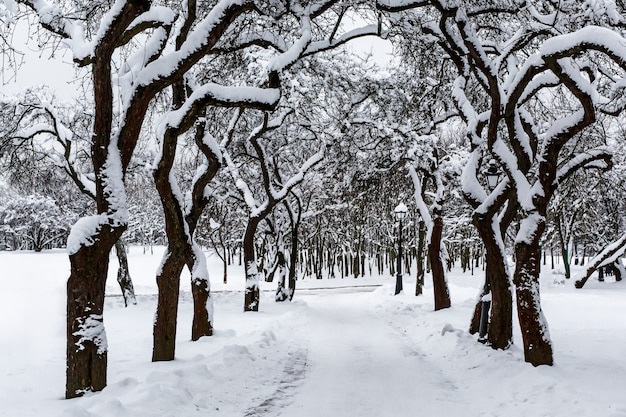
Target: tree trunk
(252, 292)
(498, 282)
(123, 274)
(440, 286)
(86, 365)
(282, 293)
(564, 248)
(168, 282)
(535, 334)
(566, 260)
(293, 262)
(226, 261)
(419, 281)
(475, 321)
(618, 270)
(202, 323)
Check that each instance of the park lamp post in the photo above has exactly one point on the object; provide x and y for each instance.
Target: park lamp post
(400, 212)
(492, 176)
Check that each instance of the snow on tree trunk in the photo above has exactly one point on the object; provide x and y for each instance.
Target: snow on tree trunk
(534, 327)
(611, 253)
(202, 324)
(500, 335)
(252, 293)
(123, 274)
(86, 337)
(282, 293)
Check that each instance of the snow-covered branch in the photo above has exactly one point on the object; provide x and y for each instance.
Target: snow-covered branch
(319, 46)
(587, 159)
(212, 94)
(400, 5)
(418, 189)
(608, 255)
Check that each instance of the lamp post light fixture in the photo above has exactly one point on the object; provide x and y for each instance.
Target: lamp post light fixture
(492, 175)
(400, 212)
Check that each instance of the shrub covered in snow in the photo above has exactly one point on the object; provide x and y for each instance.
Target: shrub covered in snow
(33, 222)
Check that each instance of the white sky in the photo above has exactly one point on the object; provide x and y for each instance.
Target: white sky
(40, 68)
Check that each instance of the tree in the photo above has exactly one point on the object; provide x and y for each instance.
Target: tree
(136, 32)
(431, 164)
(515, 67)
(273, 191)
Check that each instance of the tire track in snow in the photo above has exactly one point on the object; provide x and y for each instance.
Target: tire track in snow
(293, 375)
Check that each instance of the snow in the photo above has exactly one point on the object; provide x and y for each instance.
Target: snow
(198, 39)
(287, 58)
(83, 232)
(91, 330)
(225, 95)
(528, 227)
(345, 351)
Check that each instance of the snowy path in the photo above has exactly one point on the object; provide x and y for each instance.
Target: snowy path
(331, 353)
(359, 366)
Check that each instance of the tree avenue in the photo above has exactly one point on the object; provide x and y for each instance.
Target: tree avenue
(262, 136)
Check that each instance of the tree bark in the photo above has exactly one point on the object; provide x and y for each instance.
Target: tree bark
(500, 335)
(440, 286)
(168, 282)
(282, 293)
(564, 247)
(226, 262)
(618, 270)
(252, 292)
(535, 334)
(419, 281)
(123, 274)
(293, 262)
(202, 323)
(86, 337)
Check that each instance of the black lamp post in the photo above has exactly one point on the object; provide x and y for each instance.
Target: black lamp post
(400, 212)
(492, 176)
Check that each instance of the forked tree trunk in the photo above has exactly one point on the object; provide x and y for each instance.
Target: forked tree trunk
(86, 367)
(440, 286)
(123, 274)
(500, 335)
(535, 334)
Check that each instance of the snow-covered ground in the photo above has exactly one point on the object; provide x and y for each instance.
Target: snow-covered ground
(339, 352)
